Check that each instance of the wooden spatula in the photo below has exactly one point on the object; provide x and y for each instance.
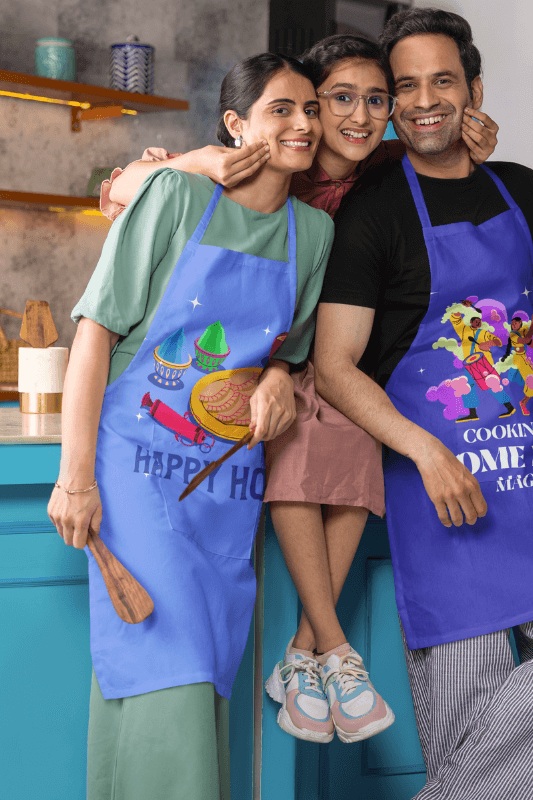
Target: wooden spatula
(197, 480)
(38, 327)
(131, 602)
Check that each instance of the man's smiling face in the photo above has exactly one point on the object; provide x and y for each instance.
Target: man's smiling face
(432, 92)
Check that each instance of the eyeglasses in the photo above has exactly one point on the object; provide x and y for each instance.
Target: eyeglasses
(343, 102)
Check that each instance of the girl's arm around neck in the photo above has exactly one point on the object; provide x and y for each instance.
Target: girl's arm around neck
(225, 165)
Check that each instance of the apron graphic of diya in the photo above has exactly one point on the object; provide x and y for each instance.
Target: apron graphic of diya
(483, 329)
(220, 401)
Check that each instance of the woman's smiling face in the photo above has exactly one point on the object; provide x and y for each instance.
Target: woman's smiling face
(352, 138)
(286, 115)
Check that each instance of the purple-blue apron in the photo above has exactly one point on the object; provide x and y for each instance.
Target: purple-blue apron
(221, 312)
(455, 583)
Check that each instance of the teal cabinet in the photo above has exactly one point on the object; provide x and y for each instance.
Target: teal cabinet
(388, 766)
(44, 658)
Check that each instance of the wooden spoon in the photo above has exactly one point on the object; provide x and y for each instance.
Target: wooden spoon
(131, 602)
(38, 327)
(197, 480)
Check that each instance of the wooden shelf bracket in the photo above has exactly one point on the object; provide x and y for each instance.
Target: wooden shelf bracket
(96, 113)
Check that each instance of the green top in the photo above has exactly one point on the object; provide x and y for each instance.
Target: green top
(147, 239)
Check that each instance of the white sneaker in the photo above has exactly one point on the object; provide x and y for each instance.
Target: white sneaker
(357, 710)
(296, 684)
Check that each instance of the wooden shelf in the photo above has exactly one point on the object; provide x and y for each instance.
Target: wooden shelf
(87, 102)
(49, 202)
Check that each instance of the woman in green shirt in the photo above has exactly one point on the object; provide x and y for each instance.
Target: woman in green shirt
(159, 699)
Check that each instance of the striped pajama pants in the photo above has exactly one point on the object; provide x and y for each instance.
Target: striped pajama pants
(474, 714)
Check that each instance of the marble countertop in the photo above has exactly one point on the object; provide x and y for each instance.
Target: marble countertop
(17, 428)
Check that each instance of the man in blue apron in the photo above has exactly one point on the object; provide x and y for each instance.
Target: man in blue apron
(415, 249)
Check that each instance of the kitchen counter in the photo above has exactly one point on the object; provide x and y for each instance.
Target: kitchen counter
(17, 428)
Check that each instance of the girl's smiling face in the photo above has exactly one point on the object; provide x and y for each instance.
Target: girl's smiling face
(347, 140)
(286, 115)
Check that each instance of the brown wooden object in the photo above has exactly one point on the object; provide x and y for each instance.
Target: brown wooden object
(48, 202)
(38, 327)
(4, 341)
(11, 313)
(131, 602)
(197, 480)
(9, 361)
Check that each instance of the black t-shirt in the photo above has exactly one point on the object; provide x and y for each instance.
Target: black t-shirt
(379, 258)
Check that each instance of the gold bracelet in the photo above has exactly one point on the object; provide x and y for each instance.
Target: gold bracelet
(77, 491)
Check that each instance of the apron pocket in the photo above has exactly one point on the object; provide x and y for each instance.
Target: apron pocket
(221, 515)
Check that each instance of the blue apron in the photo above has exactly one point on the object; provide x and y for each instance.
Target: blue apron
(220, 314)
(455, 583)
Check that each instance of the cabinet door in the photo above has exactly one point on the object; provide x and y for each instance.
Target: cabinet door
(44, 656)
(386, 766)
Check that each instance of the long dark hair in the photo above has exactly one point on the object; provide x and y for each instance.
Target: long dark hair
(417, 21)
(246, 82)
(321, 58)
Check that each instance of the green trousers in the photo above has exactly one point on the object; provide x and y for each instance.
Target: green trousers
(172, 744)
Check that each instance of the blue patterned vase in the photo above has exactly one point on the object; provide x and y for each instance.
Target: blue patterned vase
(132, 67)
(55, 58)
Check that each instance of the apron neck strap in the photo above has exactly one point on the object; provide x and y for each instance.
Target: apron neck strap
(292, 232)
(201, 228)
(503, 191)
(416, 191)
(418, 197)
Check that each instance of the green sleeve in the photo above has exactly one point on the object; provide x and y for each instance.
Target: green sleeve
(296, 346)
(117, 293)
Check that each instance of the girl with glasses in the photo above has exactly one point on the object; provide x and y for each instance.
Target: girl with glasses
(324, 473)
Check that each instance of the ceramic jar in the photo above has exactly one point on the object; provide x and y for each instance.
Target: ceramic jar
(132, 67)
(55, 58)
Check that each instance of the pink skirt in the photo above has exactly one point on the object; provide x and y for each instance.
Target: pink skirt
(323, 457)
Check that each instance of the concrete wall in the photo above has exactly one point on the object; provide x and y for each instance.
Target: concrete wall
(503, 33)
(51, 256)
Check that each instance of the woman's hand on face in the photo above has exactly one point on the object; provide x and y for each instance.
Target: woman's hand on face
(230, 165)
(481, 139)
(272, 405)
(72, 514)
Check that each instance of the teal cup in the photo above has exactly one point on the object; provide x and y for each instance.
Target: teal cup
(55, 58)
